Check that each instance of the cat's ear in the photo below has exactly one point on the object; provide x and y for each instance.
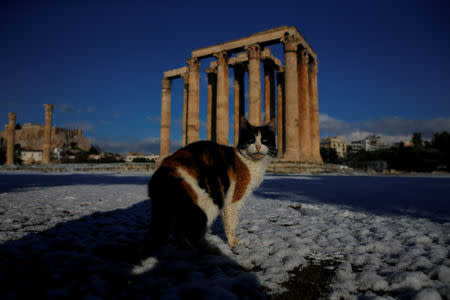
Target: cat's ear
(243, 123)
(271, 124)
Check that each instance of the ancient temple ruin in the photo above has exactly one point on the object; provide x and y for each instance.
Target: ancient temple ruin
(290, 92)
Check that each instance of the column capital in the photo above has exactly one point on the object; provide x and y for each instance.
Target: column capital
(290, 43)
(222, 57)
(314, 67)
(254, 51)
(211, 70)
(49, 107)
(185, 77)
(12, 117)
(193, 63)
(303, 57)
(166, 83)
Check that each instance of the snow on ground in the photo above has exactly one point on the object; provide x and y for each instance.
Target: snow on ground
(73, 234)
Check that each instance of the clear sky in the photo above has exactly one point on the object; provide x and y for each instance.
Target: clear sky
(384, 66)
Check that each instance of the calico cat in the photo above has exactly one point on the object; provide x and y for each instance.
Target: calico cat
(196, 183)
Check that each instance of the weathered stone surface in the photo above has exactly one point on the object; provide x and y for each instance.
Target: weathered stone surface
(304, 107)
(193, 100)
(291, 98)
(46, 147)
(222, 98)
(11, 139)
(295, 105)
(264, 38)
(32, 136)
(166, 85)
(254, 84)
(314, 113)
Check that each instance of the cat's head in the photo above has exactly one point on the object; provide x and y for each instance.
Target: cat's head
(257, 142)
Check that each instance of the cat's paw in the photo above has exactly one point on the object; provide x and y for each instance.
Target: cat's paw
(233, 243)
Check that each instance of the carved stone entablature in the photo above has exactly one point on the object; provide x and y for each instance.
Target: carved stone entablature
(254, 51)
(290, 43)
(166, 84)
(222, 57)
(194, 64)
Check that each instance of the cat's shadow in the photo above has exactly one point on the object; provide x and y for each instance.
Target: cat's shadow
(94, 256)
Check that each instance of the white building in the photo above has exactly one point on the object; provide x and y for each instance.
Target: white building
(335, 143)
(370, 143)
(30, 156)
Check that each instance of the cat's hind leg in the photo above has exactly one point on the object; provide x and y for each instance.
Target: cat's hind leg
(190, 225)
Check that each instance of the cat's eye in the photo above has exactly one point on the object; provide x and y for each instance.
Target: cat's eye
(264, 140)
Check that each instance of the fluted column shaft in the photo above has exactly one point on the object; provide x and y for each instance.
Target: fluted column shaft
(212, 104)
(10, 139)
(239, 99)
(47, 133)
(193, 100)
(222, 98)
(304, 107)
(185, 108)
(166, 85)
(269, 91)
(291, 97)
(280, 113)
(254, 84)
(314, 113)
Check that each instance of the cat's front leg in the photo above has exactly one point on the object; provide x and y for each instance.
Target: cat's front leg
(230, 220)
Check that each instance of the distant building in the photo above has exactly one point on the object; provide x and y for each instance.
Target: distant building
(31, 156)
(370, 143)
(130, 157)
(335, 143)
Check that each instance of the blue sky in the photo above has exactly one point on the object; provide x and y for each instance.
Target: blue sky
(384, 66)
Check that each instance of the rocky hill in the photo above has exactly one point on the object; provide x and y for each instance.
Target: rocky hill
(32, 135)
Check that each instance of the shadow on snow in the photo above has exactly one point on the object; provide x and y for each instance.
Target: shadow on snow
(95, 256)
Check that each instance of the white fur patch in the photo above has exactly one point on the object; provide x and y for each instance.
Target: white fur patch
(252, 148)
(204, 201)
(257, 169)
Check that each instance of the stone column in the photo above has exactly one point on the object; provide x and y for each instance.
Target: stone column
(185, 107)
(222, 98)
(254, 84)
(304, 109)
(193, 100)
(239, 99)
(164, 151)
(212, 104)
(280, 113)
(47, 133)
(269, 91)
(314, 113)
(10, 139)
(291, 97)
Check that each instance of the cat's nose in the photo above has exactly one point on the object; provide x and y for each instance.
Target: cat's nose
(258, 147)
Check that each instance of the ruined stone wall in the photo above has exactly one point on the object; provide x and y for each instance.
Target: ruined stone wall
(32, 136)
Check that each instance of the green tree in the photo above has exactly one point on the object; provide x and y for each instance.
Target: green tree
(329, 155)
(417, 140)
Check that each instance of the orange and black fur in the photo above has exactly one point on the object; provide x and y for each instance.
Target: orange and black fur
(196, 183)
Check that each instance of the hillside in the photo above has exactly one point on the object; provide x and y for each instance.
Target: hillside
(31, 136)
